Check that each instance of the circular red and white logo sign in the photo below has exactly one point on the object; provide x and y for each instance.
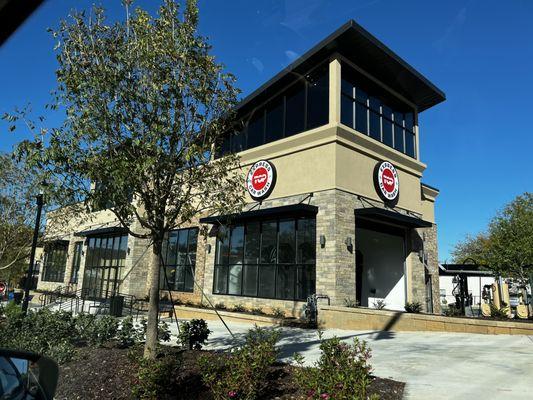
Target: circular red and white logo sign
(261, 179)
(2, 287)
(387, 181)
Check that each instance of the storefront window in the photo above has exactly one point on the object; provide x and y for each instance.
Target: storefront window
(55, 262)
(106, 256)
(179, 255)
(76, 261)
(270, 259)
(373, 117)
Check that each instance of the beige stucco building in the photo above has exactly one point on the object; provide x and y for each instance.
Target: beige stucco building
(339, 208)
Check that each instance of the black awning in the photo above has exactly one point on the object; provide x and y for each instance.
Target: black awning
(464, 269)
(393, 217)
(293, 210)
(108, 230)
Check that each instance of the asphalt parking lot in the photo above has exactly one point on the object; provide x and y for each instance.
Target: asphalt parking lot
(434, 365)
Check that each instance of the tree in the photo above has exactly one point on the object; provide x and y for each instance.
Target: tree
(507, 246)
(17, 212)
(146, 104)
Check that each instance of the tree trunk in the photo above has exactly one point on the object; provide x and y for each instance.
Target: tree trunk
(150, 346)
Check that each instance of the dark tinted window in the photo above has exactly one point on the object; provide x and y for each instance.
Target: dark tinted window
(253, 241)
(306, 252)
(303, 105)
(236, 245)
(76, 262)
(347, 111)
(387, 132)
(361, 118)
(376, 117)
(287, 242)
(285, 269)
(238, 141)
(317, 99)
(295, 109)
(256, 128)
(347, 88)
(55, 262)
(250, 280)
(274, 120)
(361, 95)
(374, 104)
(180, 260)
(269, 243)
(409, 121)
(398, 138)
(410, 144)
(375, 125)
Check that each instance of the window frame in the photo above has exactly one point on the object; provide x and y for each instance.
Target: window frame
(297, 265)
(283, 94)
(348, 81)
(177, 265)
(50, 260)
(76, 262)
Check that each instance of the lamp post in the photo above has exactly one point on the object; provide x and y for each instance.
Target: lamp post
(27, 285)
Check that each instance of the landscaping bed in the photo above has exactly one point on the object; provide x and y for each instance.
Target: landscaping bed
(110, 373)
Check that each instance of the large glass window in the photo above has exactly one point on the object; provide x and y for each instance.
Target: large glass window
(374, 117)
(271, 259)
(104, 264)
(302, 106)
(55, 261)
(76, 261)
(317, 99)
(179, 257)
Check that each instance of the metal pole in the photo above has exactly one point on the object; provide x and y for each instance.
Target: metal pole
(32, 255)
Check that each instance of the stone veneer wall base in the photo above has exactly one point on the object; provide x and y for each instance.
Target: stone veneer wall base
(381, 320)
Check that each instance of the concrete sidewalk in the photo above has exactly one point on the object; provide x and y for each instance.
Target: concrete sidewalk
(434, 365)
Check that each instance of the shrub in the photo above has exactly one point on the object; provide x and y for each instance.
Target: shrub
(239, 308)
(243, 373)
(453, 311)
(154, 377)
(193, 334)
(351, 303)
(257, 311)
(220, 306)
(128, 333)
(278, 312)
(163, 331)
(341, 373)
(44, 332)
(379, 304)
(414, 307)
(498, 313)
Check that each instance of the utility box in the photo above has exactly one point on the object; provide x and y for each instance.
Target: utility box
(116, 305)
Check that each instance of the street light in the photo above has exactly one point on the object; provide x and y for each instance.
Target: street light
(29, 280)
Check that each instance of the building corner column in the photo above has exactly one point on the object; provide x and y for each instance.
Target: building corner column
(334, 91)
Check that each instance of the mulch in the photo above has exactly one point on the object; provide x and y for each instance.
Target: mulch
(110, 373)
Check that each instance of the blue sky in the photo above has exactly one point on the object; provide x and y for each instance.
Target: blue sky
(477, 145)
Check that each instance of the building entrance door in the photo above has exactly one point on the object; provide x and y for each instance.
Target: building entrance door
(380, 266)
(103, 265)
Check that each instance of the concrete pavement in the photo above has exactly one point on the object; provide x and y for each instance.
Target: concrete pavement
(434, 365)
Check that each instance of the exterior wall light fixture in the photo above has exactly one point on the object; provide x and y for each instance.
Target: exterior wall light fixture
(208, 248)
(322, 241)
(348, 243)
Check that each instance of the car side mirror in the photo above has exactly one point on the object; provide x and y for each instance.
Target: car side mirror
(25, 375)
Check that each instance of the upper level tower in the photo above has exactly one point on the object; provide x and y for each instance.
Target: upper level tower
(350, 79)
